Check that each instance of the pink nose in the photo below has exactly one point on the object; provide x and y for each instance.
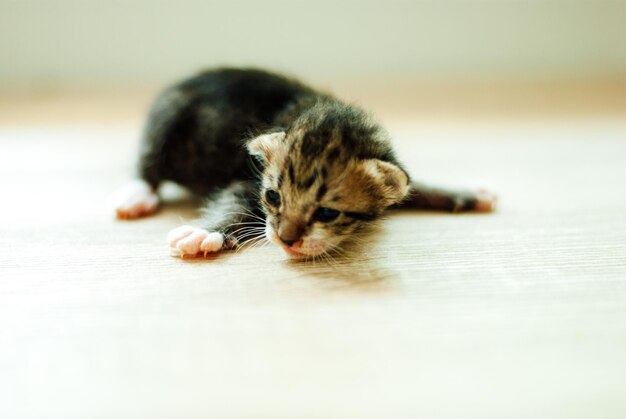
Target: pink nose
(287, 242)
(289, 233)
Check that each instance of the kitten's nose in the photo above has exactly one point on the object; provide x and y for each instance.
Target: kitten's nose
(289, 233)
(288, 242)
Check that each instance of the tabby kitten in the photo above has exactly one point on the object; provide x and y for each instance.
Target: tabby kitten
(327, 170)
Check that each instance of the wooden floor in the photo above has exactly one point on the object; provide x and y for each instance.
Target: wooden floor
(517, 314)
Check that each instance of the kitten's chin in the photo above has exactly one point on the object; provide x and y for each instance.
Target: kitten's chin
(295, 254)
(302, 254)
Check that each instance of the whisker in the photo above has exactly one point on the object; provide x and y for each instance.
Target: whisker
(241, 246)
(248, 244)
(246, 215)
(246, 229)
(248, 223)
(250, 234)
(257, 244)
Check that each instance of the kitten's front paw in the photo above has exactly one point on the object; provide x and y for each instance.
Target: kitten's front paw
(134, 200)
(192, 241)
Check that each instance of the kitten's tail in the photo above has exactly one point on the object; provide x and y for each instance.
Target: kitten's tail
(422, 197)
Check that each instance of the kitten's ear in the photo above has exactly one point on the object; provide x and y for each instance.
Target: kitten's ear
(392, 180)
(265, 146)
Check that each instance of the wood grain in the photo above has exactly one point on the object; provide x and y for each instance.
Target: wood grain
(517, 314)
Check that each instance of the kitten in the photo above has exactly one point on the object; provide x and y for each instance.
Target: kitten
(327, 170)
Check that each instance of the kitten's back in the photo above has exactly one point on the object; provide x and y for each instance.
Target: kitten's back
(196, 128)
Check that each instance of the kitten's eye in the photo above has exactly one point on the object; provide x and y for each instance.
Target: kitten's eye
(326, 215)
(272, 197)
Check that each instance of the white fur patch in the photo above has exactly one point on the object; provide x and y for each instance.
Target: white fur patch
(135, 199)
(192, 241)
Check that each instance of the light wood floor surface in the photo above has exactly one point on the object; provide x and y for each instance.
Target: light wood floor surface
(521, 313)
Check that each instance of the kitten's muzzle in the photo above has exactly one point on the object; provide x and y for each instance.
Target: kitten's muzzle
(290, 233)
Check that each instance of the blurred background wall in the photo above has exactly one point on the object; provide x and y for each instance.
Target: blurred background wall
(60, 43)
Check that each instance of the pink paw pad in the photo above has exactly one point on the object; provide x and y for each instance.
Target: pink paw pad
(192, 241)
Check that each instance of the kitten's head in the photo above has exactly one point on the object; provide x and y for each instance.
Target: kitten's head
(326, 178)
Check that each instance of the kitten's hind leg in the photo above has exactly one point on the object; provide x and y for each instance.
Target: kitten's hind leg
(232, 218)
(139, 198)
(436, 199)
(134, 200)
